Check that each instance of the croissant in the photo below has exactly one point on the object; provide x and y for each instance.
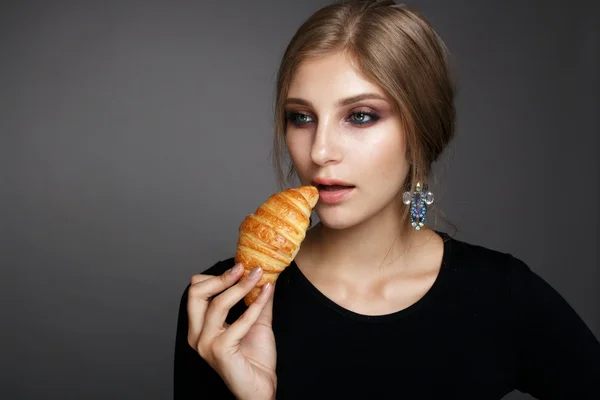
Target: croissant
(271, 237)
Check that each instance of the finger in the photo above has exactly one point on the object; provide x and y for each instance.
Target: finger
(234, 334)
(266, 316)
(199, 294)
(200, 278)
(219, 306)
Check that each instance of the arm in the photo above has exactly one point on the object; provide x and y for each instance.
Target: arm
(193, 377)
(559, 354)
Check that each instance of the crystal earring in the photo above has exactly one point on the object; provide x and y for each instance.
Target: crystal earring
(420, 199)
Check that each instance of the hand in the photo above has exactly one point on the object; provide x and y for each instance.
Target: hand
(242, 353)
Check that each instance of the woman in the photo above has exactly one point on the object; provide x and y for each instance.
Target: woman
(373, 305)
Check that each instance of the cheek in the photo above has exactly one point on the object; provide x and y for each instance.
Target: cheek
(298, 146)
(384, 155)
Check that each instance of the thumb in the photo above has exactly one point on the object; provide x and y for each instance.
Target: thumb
(266, 316)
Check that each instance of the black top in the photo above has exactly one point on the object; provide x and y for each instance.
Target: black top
(488, 325)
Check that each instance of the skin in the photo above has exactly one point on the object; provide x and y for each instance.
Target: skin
(242, 353)
(361, 255)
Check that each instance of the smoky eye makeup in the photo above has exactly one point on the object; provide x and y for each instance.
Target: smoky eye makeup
(362, 116)
(298, 118)
(357, 117)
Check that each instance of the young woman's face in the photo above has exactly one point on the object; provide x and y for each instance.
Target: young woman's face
(342, 127)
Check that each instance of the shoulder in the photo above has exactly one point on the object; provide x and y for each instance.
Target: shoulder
(474, 258)
(493, 276)
(488, 272)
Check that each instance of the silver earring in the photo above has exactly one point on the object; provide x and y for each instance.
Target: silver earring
(419, 201)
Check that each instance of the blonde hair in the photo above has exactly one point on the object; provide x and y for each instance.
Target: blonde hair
(396, 48)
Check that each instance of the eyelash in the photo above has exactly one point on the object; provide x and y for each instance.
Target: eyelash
(373, 117)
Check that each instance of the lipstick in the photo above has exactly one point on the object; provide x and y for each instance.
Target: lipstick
(333, 191)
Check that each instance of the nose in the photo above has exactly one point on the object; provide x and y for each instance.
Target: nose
(327, 146)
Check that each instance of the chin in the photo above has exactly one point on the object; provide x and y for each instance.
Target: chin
(336, 224)
(337, 218)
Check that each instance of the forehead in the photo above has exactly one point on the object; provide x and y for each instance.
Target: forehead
(330, 78)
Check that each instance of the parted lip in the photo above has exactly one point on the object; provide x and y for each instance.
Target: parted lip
(328, 182)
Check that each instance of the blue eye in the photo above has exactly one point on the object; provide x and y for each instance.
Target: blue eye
(298, 119)
(355, 118)
(361, 118)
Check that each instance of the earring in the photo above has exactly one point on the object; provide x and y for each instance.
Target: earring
(420, 199)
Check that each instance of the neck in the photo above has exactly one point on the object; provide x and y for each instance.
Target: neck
(376, 243)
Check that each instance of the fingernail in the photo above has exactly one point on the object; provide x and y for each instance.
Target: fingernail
(235, 269)
(265, 287)
(254, 273)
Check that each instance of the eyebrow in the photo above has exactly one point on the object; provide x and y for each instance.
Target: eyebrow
(344, 102)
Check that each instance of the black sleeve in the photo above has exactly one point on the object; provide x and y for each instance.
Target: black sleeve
(194, 378)
(559, 354)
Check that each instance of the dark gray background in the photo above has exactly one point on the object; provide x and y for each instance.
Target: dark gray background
(136, 136)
